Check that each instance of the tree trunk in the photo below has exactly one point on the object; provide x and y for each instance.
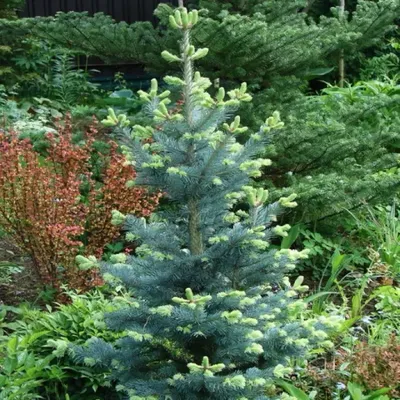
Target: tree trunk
(195, 235)
(341, 56)
(180, 3)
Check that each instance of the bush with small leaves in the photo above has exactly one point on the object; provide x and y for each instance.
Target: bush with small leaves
(54, 209)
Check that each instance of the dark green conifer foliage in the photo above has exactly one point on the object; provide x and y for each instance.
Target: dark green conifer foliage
(337, 150)
(213, 316)
(8, 11)
(9, 8)
(266, 39)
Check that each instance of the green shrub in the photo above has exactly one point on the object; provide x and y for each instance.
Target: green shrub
(379, 229)
(34, 357)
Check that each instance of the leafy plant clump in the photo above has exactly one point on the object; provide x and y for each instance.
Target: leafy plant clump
(34, 356)
(213, 315)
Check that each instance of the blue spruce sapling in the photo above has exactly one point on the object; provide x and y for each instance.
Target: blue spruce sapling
(213, 315)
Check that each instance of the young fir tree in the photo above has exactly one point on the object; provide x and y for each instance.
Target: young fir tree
(213, 315)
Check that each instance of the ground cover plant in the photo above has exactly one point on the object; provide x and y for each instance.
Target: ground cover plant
(36, 350)
(145, 245)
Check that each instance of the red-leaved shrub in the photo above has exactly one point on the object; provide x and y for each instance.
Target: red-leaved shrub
(44, 211)
(372, 366)
(376, 367)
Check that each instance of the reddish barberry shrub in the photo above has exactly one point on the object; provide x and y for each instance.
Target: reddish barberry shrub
(43, 210)
(376, 366)
(39, 205)
(114, 193)
(372, 366)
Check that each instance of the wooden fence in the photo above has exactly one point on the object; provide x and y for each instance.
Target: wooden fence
(121, 10)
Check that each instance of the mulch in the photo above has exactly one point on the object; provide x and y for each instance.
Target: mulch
(24, 286)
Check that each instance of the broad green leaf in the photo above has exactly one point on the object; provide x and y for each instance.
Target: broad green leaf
(355, 391)
(293, 234)
(337, 260)
(377, 394)
(293, 390)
